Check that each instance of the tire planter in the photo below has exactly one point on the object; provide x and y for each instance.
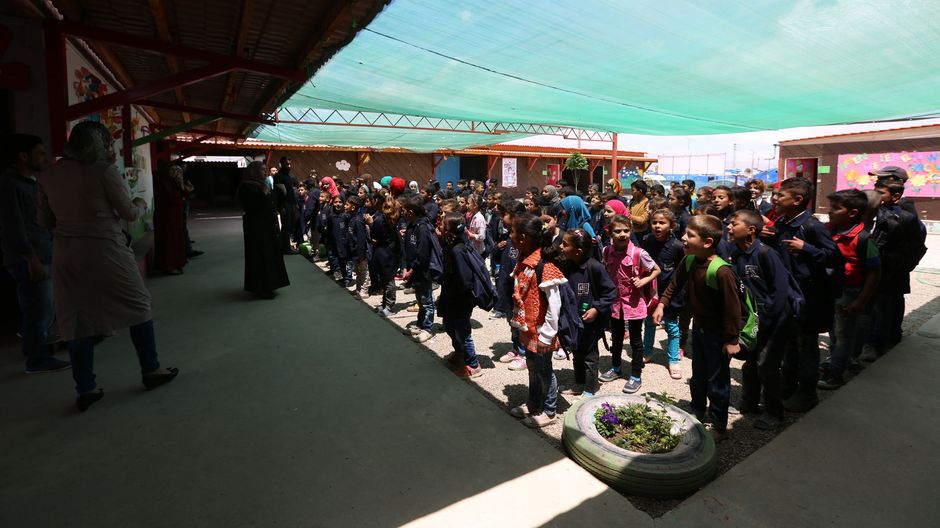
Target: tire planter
(682, 471)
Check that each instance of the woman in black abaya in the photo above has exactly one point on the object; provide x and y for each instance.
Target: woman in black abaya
(264, 261)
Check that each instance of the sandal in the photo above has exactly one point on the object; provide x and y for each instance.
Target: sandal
(675, 372)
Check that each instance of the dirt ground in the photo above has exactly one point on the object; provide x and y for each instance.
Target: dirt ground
(508, 388)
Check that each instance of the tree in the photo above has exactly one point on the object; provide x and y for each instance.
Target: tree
(576, 163)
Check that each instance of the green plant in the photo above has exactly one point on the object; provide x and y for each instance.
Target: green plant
(637, 427)
(576, 163)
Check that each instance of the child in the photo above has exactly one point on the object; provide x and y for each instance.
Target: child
(430, 206)
(339, 234)
(456, 301)
(504, 287)
(639, 212)
(631, 269)
(476, 232)
(680, 203)
(717, 314)
(386, 254)
(721, 197)
(496, 232)
(595, 294)
(847, 210)
(667, 252)
(704, 194)
(612, 208)
(806, 248)
(689, 187)
(535, 313)
(359, 245)
(421, 251)
(762, 271)
(900, 237)
(756, 188)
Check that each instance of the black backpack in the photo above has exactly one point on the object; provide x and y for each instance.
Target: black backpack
(570, 324)
(484, 293)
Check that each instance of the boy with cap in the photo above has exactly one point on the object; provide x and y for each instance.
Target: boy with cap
(900, 238)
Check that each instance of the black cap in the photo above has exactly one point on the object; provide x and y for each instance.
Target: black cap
(895, 173)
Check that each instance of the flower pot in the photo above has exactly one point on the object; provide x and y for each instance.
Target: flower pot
(678, 473)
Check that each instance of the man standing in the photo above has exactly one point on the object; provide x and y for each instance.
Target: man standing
(27, 250)
(286, 205)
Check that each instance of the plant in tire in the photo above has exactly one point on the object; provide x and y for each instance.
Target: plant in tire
(636, 427)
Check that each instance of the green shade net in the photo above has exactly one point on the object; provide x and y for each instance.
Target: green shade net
(645, 67)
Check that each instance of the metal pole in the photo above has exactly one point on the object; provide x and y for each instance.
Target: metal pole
(613, 161)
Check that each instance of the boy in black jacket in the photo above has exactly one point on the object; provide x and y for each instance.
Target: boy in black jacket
(806, 248)
(358, 243)
(339, 225)
(761, 270)
(422, 256)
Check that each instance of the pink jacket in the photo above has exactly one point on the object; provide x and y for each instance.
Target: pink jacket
(623, 267)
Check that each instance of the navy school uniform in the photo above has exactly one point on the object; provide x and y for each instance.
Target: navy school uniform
(418, 248)
(456, 300)
(432, 210)
(386, 249)
(593, 289)
(682, 221)
(339, 234)
(668, 255)
(358, 243)
(761, 270)
(504, 280)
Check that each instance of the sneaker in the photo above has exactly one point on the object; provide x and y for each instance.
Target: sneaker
(453, 358)
(497, 315)
(362, 296)
(520, 411)
(537, 421)
(855, 367)
(383, 312)
(50, 365)
(632, 385)
(571, 391)
(800, 403)
(518, 363)
(414, 308)
(560, 355)
(467, 372)
(717, 435)
(508, 357)
(423, 336)
(609, 376)
(831, 382)
(767, 422)
(733, 411)
(412, 329)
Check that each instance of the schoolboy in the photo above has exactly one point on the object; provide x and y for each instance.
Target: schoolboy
(639, 207)
(717, 323)
(359, 245)
(762, 271)
(847, 211)
(900, 237)
(807, 250)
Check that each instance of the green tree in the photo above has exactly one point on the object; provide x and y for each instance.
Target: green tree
(576, 163)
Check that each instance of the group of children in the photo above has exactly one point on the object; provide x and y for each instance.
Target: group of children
(706, 260)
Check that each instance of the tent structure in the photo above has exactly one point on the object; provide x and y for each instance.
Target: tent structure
(649, 67)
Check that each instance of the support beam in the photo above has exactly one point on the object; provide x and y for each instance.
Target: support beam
(163, 32)
(136, 93)
(491, 162)
(230, 135)
(530, 162)
(613, 160)
(56, 87)
(156, 46)
(361, 159)
(174, 130)
(127, 136)
(205, 111)
(241, 42)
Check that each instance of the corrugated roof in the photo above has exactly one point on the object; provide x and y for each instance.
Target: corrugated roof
(919, 131)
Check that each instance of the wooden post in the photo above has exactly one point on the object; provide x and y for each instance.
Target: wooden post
(127, 136)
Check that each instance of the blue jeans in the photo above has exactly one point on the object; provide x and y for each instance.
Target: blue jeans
(459, 331)
(671, 325)
(425, 298)
(711, 377)
(847, 336)
(35, 300)
(82, 352)
(543, 386)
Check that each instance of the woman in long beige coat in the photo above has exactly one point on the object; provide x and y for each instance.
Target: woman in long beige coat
(96, 281)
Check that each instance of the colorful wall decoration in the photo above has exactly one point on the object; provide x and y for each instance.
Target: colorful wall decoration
(806, 166)
(923, 170)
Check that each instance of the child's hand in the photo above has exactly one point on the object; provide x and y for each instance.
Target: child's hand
(731, 350)
(590, 315)
(501, 245)
(794, 244)
(658, 314)
(639, 283)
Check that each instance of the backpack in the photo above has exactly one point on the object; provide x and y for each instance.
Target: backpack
(747, 337)
(484, 293)
(570, 324)
(436, 265)
(795, 297)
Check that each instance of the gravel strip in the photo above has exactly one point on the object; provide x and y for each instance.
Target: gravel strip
(506, 387)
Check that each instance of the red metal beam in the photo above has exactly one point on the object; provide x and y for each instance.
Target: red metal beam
(169, 48)
(366, 125)
(135, 93)
(231, 135)
(492, 163)
(530, 163)
(205, 111)
(56, 87)
(127, 136)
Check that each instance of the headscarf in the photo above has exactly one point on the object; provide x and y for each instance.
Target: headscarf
(385, 181)
(334, 192)
(88, 143)
(413, 185)
(578, 214)
(618, 207)
(615, 185)
(396, 186)
(552, 194)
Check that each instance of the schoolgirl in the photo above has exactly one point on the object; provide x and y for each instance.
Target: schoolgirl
(667, 252)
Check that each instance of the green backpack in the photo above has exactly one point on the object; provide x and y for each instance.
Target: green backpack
(749, 320)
